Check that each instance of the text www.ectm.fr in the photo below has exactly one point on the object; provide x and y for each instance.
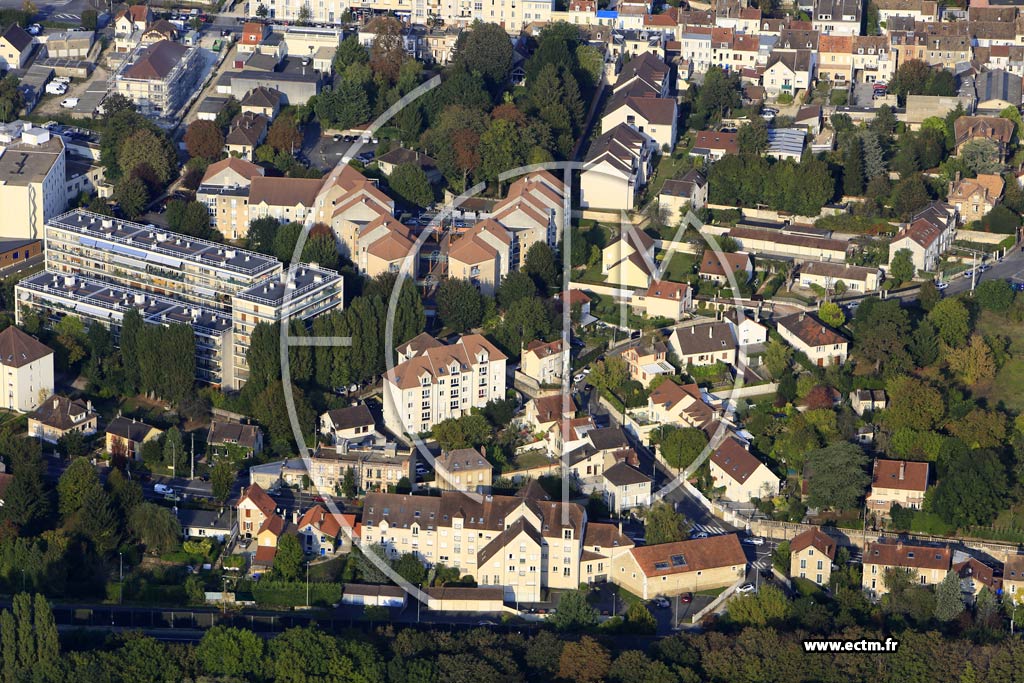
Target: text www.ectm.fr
(862, 645)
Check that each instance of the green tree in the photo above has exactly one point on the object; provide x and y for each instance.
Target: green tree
(640, 620)
(972, 363)
(902, 267)
(234, 652)
(261, 234)
(132, 197)
(147, 155)
(853, 167)
(767, 606)
(929, 295)
(156, 527)
(411, 184)
(913, 404)
(574, 612)
(777, 357)
(972, 491)
(459, 304)
(982, 156)
(349, 52)
(501, 148)
(994, 295)
(98, 521)
(680, 447)
(909, 195)
(524, 321)
(585, 661)
(949, 600)
(924, 344)
(951, 320)
(343, 107)
(410, 568)
(288, 560)
(488, 51)
(75, 483)
(541, 266)
(468, 431)
(663, 524)
(831, 314)
(753, 137)
(222, 478)
(514, 287)
(840, 476)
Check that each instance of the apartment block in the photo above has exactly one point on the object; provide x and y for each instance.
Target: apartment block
(927, 565)
(442, 382)
(376, 467)
(521, 543)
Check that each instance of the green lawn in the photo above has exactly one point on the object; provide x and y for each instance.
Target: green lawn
(1010, 378)
(712, 592)
(680, 266)
(528, 460)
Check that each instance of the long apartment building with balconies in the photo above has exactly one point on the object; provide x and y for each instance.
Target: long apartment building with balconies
(152, 259)
(130, 262)
(55, 295)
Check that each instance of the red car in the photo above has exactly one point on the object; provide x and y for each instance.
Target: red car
(686, 598)
(319, 499)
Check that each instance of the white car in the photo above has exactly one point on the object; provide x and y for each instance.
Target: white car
(163, 488)
(983, 267)
(34, 29)
(579, 378)
(585, 371)
(968, 274)
(56, 88)
(754, 540)
(941, 285)
(746, 588)
(661, 602)
(69, 102)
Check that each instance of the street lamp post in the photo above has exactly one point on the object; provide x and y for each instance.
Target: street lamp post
(120, 577)
(307, 584)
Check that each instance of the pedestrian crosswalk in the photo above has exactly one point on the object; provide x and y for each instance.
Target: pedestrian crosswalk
(67, 17)
(763, 564)
(707, 528)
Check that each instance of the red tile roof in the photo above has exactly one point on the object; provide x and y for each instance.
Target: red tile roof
(900, 474)
(900, 554)
(814, 538)
(735, 460)
(698, 554)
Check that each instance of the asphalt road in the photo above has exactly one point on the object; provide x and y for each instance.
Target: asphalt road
(66, 11)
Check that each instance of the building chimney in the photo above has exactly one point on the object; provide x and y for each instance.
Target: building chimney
(903, 470)
(711, 332)
(295, 516)
(88, 406)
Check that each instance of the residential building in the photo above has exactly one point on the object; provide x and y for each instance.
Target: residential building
(652, 116)
(463, 469)
(835, 58)
(646, 359)
(625, 488)
(805, 332)
(789, 71)
(928, 565)
(520, 543)
(532, 211)
(717, 266)
(27, 367)
(664, 299)
(129, 25)
(841, 17)
(994, 128)
(682, 567)
(254, 508)
(94, 301)
(60, 415)
(616, 169)
(263, 101)
(286, 199)
(928, 235)
(545, 362)
(33, 177)
(352, 424)
(786, 143)
(234, 438)
(247, 131)
(828, 275)
(482, 255)
(690, 191)
(1013, 577)
(868, 400)
(366, 595)
(704, 342)
(161, 78)
(543, 412)
(443, 382)
(216, 524)
(680, 405)
(811, 555)
(975, 197)
(712, 145)
(15, 47)
(302, 292)
(629, 260)
(873, 59)
(976, 575)
(742, 476)
(994, 90)
(225, 191)
(125, 436)
(326, 534)
(400, 156)
(897, 482)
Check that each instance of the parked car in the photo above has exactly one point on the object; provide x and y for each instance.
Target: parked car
(754, 540)
(69, 102)
(162, 488)
(969, 273)
(941, 285)
(686, 598)
(661, 602)
(578, 378)
(746, 588)
(34, 29)
(699, 534)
